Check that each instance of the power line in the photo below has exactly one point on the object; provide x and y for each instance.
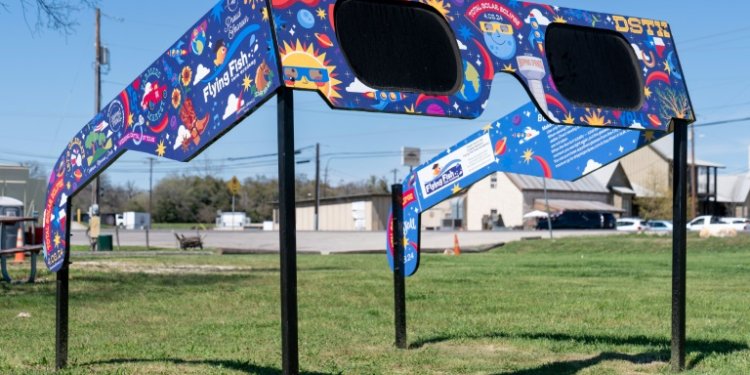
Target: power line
(722, 122)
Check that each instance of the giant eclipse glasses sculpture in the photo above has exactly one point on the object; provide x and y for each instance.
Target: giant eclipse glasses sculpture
(432, 58)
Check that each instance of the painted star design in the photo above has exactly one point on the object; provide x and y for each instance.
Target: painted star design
(246, 82)
(527, 155)
(487, 128)
(647, 92)
(667, 68)
(622, 149)
(57, 240)
(406, 242)
(160, 149)
(464, 32)
(456, 189)
(321, 13)
(130, 119)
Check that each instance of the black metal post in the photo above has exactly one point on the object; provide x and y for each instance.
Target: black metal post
(679, 243)
(287, 232)
(61, 305)
(317, 186)
(399, 284)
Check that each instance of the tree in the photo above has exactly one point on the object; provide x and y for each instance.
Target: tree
(58, 15)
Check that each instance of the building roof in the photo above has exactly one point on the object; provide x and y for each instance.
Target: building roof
(575, 205)
(663, 147)
(733, 188)
(10, 202)
(604, 174)
(586, 184)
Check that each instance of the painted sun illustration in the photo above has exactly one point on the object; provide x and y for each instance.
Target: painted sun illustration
(595, 118)
(246, 82)
(410, 109)
(456, 189)
(304, 68)
(265, 14)
(441, 6)
(509, 68)
(559, 19)
(647, 92)
(527, 156)
(57, 239)
(568, 119)
(160, 148)
(321, 13)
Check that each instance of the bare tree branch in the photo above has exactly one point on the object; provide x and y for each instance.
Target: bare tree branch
(58, 15)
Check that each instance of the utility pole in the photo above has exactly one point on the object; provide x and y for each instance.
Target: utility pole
(693, 175)
(317, 186)
(395, 180)
(150, 197)
(97, 90)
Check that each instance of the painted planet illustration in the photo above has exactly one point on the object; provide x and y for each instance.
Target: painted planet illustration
(501, 146)
(323, 40)
(305, 18)
(198, 42)
(516, 120)
(472, 85)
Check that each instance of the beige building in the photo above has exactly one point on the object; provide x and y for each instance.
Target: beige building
(353, 213)
(650, 173)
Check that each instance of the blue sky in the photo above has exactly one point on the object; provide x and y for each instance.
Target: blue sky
(47, 93)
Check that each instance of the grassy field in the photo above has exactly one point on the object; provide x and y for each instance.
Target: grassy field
(573, 306)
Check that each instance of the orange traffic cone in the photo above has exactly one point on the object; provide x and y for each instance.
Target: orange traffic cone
(456, 247)
(20, 257)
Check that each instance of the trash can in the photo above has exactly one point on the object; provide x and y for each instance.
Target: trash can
(104, 242)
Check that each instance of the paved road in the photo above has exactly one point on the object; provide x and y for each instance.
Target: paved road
(326, 242)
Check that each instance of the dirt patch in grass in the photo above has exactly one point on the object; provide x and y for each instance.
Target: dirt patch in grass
(129, 267)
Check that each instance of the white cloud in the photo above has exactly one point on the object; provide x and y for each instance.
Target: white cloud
(358, 87)
(461, 46)
(182, 135)
(636, 125)
(233, 103)
(540, 18)
(200, 73)
(638, 51)
(591, 166)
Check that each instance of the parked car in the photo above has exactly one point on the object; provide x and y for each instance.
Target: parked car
(631, 225)
(579, 220)
(658, 226)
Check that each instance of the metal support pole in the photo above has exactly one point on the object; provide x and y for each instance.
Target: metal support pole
(399, 284)
(317, 186)
(150, 199)
(61, 305)
(546, 207)
(679, 243)
(287, 232)
(97, 90)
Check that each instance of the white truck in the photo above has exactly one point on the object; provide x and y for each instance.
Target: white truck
(133, 220)
(716, 224)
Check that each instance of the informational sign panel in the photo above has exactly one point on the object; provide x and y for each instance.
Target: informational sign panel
(522, 142)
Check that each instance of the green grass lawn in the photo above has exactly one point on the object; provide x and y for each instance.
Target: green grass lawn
(573, 306)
